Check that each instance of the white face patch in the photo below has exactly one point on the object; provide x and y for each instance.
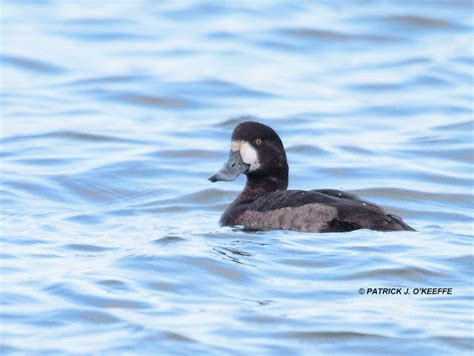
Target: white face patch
(235, 146)
(248, 153)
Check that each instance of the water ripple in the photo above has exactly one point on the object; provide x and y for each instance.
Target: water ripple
(34, 65)
(66, 292)
(331, 36)
(154, 101)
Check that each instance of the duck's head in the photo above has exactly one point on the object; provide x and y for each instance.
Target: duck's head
(256, 151)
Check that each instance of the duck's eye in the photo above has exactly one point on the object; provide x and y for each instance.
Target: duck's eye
(258, 141)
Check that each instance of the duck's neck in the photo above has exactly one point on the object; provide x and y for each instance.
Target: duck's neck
(261, 184)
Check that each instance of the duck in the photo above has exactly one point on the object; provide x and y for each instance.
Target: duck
(265, 203)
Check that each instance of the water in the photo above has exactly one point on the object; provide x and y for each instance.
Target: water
(113, 116)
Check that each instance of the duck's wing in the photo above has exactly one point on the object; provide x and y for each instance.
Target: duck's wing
(319, 211)
(337, 194)
(343, 195)
(366, 218)
(359, 214)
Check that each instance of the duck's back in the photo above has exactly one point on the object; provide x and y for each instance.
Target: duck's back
(325, 210)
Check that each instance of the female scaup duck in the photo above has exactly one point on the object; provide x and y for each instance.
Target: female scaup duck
(265, 204)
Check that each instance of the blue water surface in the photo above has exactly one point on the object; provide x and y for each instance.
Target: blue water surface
(114, 114)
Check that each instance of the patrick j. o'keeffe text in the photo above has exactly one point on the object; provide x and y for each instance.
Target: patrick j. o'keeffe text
(406, 291)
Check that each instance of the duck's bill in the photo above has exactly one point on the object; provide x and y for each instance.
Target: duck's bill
(231, 169)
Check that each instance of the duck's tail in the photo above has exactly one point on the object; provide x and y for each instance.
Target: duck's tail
(397, 224)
